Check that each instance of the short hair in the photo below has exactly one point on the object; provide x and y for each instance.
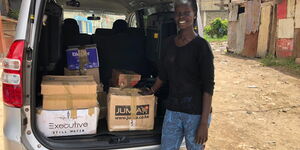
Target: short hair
(192, 3)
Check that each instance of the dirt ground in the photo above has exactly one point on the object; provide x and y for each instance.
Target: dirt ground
(254, 107)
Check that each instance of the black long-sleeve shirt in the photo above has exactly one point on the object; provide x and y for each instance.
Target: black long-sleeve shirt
(190, 72)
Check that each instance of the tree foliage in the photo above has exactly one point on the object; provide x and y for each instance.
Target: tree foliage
(217, 28)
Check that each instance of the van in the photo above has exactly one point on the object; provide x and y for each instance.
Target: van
(43, 34)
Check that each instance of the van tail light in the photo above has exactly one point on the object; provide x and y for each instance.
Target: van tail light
(12, 75)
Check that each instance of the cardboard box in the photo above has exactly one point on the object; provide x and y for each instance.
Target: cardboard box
(123, 78)
(82, 58)
(60, 122)
(120, 102)
(68, 92)
(87, 72)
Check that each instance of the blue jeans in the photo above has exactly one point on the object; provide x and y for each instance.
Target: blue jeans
(178, 125)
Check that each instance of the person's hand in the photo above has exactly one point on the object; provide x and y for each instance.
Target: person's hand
(202, 134)
(146, 91)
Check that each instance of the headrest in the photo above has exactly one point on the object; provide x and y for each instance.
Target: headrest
(70, 26)
(120, 26)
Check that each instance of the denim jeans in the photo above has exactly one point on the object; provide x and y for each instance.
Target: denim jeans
(178, 125)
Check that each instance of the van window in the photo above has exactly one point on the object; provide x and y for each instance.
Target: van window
(89, 26)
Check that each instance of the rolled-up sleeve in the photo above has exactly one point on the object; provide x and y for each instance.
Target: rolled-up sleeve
(207, 68)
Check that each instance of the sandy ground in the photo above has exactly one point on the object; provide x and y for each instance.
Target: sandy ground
(254, 107)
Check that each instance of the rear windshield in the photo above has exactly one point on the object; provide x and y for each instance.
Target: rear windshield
(89, 26)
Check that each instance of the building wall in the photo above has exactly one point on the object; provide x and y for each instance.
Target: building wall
(212, 5)
(211, 9)
(287, 30)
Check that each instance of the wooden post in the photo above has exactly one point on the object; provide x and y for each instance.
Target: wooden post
(273, 33)
(2, 40)
(5, 5)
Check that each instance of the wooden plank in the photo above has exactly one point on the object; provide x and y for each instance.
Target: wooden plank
(263, 36)
(250, 46)
(284, 47)
(240, 31)
(282, 9)
(296, 43)
(9, 20)
(232, 29)
(297, 15)
(5, 7)
(291, 8)
(252, 11)
(285, 28)
(2, 40)
(233, 12)
(273, 33)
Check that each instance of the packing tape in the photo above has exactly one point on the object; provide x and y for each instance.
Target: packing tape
(132, 121)
(71, 96)
(64, 79)
(91, 111)
(129, 91)
(38, 111)
(133, 107)
(83, 59)
(73, 113)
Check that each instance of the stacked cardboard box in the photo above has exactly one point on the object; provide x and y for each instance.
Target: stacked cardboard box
(85, 57)
(124, 78)
(83, 61)
(70, 106)
(128, 110)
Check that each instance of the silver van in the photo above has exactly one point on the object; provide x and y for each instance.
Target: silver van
(39, 49)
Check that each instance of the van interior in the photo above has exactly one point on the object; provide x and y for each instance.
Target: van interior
(131, 44)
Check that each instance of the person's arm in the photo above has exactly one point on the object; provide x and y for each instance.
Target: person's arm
(207, 77)
(202, 131)
(162, 72)
(158, 83)
(149, 91)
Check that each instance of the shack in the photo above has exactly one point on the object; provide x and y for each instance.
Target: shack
(258, 28)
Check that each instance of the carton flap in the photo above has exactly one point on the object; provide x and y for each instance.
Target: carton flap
(126, 92)
(75, 85)
(68, 78)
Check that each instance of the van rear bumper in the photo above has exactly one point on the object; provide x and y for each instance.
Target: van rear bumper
(12, 128)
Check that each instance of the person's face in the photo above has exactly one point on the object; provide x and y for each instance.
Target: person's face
(184, 16)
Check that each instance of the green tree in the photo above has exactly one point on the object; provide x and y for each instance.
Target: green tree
(217, 28)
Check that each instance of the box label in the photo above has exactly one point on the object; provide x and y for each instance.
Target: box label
(60, 123)
(132, 124)
(73, 60)
(123, 112)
